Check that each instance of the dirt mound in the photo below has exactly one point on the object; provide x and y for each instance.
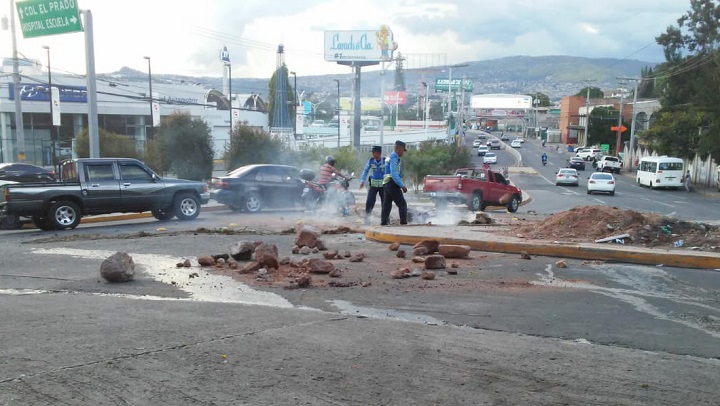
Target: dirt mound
(588, 223)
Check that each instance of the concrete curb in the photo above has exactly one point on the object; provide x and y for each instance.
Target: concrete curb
(632, 255)
(135, 216)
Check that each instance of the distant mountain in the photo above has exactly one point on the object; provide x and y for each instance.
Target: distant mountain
(556, 76)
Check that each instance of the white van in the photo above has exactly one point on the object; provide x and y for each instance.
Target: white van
(661, 171)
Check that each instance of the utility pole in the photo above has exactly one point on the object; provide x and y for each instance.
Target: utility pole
(587, 111)
(619, 131)
(631, 161)
(19, 125)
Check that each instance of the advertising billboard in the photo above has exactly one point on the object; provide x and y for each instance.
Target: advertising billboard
(392, 97)
(501, 101)
(442, 85)
(360, 45)
(366, 103)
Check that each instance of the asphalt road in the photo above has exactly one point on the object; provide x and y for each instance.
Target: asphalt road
(503, 331)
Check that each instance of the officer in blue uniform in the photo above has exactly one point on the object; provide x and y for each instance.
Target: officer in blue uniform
(394, 186)
(373, 173)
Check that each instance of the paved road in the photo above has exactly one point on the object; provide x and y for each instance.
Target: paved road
(503, 331)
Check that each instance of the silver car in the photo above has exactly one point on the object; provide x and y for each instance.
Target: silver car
(566, 176)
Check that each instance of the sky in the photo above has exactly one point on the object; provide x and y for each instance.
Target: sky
(183, 37)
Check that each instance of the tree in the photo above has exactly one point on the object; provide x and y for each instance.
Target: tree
(646, 87)
(601, 119)
(542, 97)
(186, 145)
(595, 92)
(399, 74)
(250, 145)
(432, 158)
(289, 97)
(111, 145)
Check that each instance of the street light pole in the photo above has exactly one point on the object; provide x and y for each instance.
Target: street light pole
(338, 109)
(152, 123)
(295, 97)
(620, 117)
(230, 106)
(19, 126)
(53, 138)
(450, 68)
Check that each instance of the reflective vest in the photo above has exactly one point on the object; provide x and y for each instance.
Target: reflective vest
(376, 171)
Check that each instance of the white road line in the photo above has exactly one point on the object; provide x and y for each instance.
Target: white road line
(598, 200)
(655, 201)
(571, 191)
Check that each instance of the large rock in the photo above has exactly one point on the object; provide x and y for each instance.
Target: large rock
(250, 267)
(317, 265)
(267, 255)
(420, 251)
(206, 260)
(435, 262)
(119, 267)
(330, 254)
(428, 275)
(431, 245)
(307, 235)
(357, 257)
(454, 251)
(243, 250)
(400, 273)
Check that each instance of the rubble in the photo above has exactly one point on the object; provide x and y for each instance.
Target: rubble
(400, 254)
(400, 273)
(250, 267)
(335, 273)
(427, 275)
(119, 267)
(320, 245)
(295, 250)
(394, 246)
(305, 250)
(418, 260)
(243, 250)
(561, 264)
(224, 257)
(482, 218)
(431, 245)
(435, 262)
(452, 270)
(232, 264)
(303, 281)
(187, 263)
(307, 235)
(420, 251)
(206, 261)
(267, 255)
(347, 254)
(317, 265)
(454, 251)
(357, 258)
(330, 254)
(525, 255)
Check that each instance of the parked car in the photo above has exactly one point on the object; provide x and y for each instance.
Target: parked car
(318, 123)
(588, 153)
(490, 158)
(516, 143)
(495, 144)
(609, 163)
(103, 186)
(601, 182)
(566, 176)
(576, 163)
(252, 188)
(477, 143)
(476, 187)
(22, 172)
(482, 150)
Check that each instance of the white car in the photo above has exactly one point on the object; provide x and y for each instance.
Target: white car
(588, 153)
(477, 143)
(482, 150)
(516, 143)
(566, 176)
(490, 158)
(601, 182)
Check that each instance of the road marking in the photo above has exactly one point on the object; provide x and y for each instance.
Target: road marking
(598, 200)
(655, 201)
(570, 191)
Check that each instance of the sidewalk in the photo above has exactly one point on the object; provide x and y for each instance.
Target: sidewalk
(481, 240)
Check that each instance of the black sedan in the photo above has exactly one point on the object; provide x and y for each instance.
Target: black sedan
(253, 188)
(576, 163)
(22, 172)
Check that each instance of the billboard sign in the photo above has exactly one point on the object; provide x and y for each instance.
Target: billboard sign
(225, 56)
(441, 85)
(395, 98)
(39, 92)
(366, 103)
(360, 46)
(501, 102)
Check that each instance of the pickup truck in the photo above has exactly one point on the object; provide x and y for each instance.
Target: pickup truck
(609, 163)
(101, 186)
(475, 187)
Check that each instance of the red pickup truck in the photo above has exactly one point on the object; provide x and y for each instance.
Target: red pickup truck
(476, 187)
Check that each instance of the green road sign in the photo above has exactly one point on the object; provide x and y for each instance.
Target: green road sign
(39, 18)
(441, 85)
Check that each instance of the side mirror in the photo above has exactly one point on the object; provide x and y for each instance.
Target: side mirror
(154, 177)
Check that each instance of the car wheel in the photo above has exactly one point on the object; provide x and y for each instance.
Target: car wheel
(186, 206)
(651, 185)
(253, 203)
(475, 202)
(11, 222)
(612, 193)
(63, 215)
(514, 204)
(42, 223)
(162, 214)
(589, 192)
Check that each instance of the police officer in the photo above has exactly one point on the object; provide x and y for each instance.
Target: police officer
(394, 186)
(374, 172)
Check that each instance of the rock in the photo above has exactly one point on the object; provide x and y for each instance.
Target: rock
(561, 264)
(303, 281)
(261, 272)
(400, 273)
(295, 249)
(366, 284)
(347, 254)
(187, 263)
(454, 265)
(307, 235)
(400, 254)
(243, 250)
(317, 265)
(250, 267)
(435, 262)
(482, 218)
(330, 254)
(206, 261)
(225, 257)
(232, 264)
(220, 261)
(394, 246)
(315, 250)
(431, 245)
(285, 261)
(320, 245)
(418, 260)
(119, 267)
(179, 265)
(452, 270)
(335, 273)
(267, 255)
(305, 250)
(454, 251)
(420, 251)
(415, 272)
(357, 258)
(532, 212)
(525, 255)
(428, 275)
(335, 284)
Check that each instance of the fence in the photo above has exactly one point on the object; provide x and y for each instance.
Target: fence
(703, 172)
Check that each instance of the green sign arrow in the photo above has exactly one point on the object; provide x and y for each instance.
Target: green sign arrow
(441, 85)
(39, 18)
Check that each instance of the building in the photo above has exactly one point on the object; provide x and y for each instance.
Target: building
(123, 108)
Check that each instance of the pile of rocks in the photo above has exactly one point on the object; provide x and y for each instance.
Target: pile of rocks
(433, 256)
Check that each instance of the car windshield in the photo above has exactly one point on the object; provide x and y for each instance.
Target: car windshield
(601, 176)
(490, 155)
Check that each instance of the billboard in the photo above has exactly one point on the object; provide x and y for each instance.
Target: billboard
(501, 101)
(392, 97)
(357, 45)
(39, 92)
(366, 103)
(441, 85)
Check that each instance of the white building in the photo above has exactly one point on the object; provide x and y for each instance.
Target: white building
(123, 108)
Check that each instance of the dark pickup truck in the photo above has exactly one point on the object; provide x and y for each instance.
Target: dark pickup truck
(476, 187)
(91, 186)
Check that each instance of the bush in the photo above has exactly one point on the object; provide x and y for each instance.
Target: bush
(111, 145)
(185, 147)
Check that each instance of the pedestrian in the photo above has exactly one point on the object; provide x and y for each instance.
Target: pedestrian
(394, 186)
(374, 172)
(687, 181)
